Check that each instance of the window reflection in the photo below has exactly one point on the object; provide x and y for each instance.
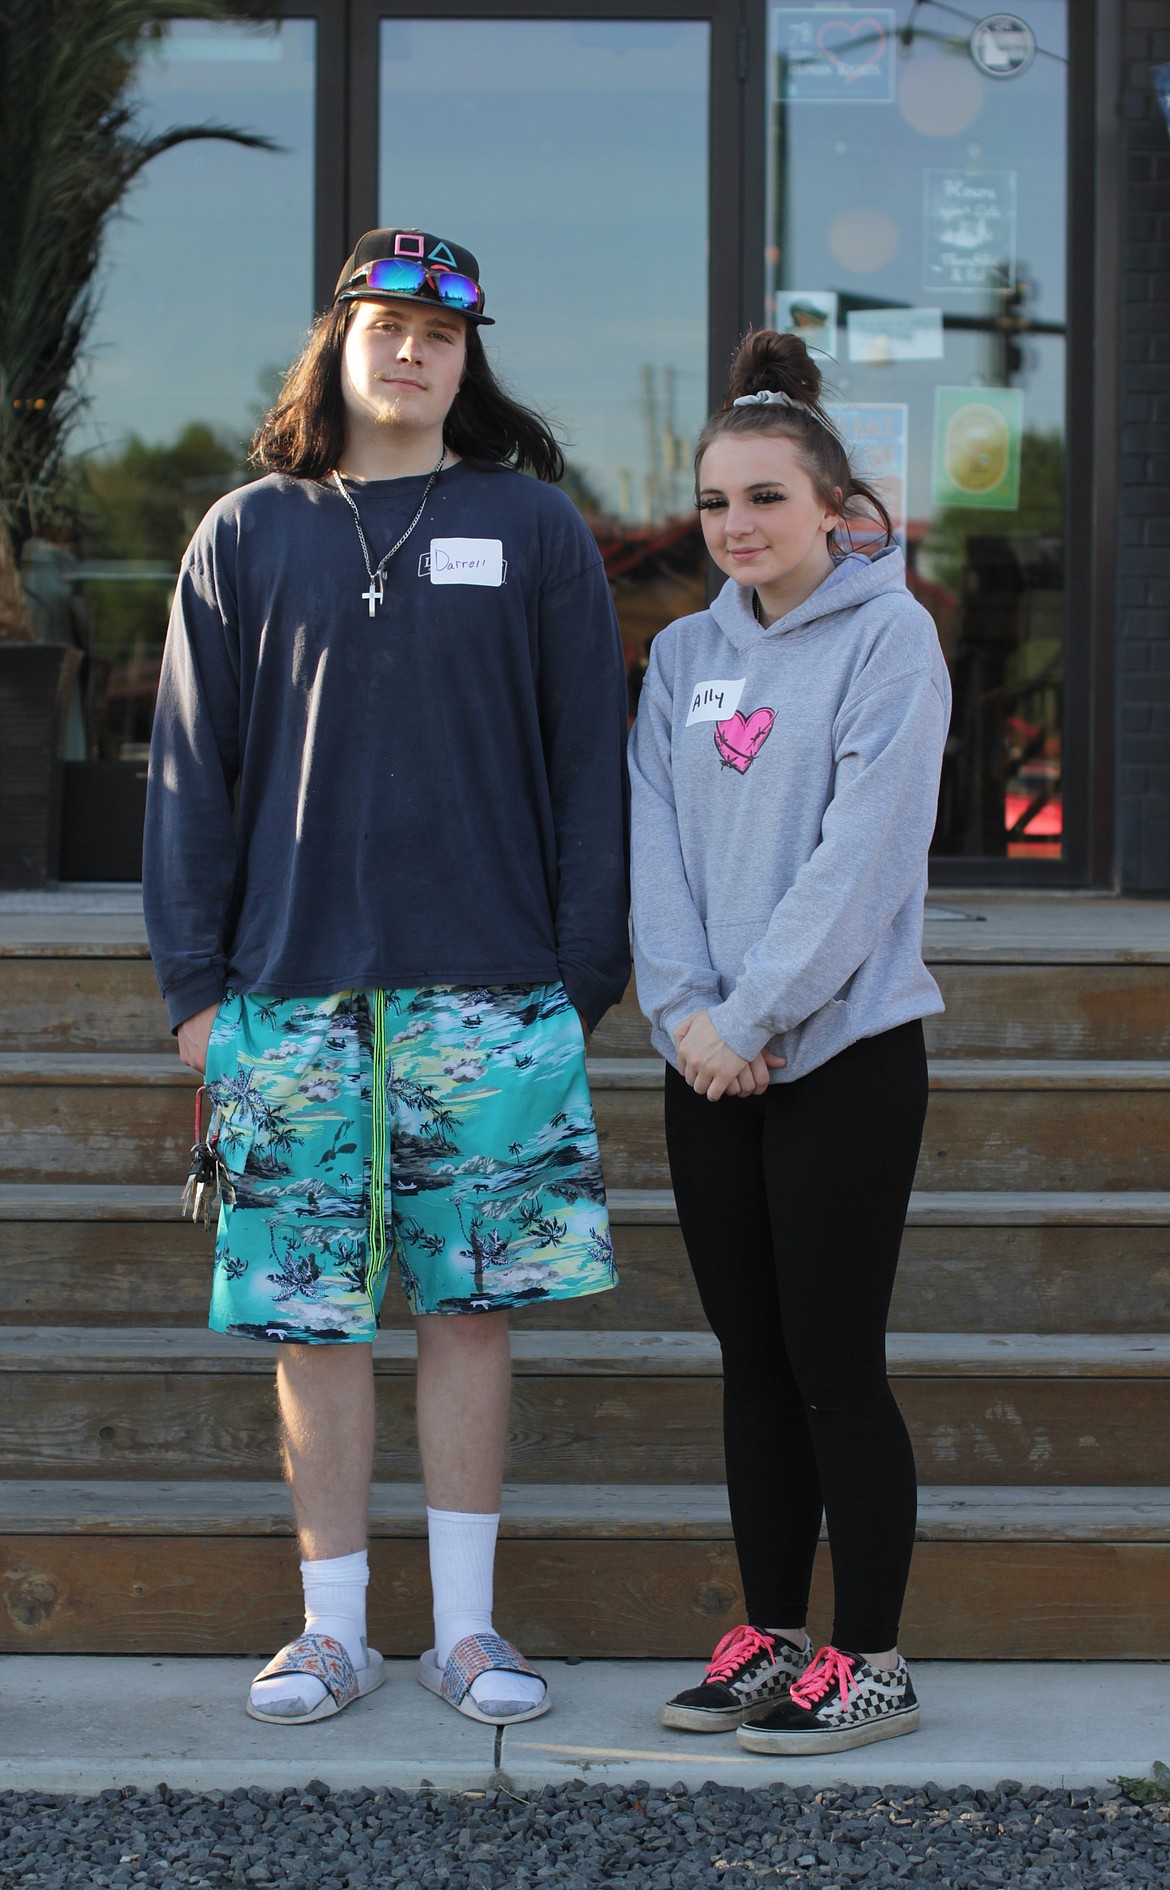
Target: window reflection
(206, 295)
(916, 235)
(573, 162)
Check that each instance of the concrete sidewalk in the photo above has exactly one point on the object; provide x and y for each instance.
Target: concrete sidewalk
(81, 1724)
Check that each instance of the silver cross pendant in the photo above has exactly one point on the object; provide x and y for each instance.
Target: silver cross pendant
(373, 597)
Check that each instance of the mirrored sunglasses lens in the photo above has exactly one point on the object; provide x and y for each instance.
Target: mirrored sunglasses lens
(394, 276)
(457, 291)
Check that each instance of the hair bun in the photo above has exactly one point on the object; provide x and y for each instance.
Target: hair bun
(768, 362)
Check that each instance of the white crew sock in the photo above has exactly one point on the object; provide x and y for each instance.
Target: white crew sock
(335, 1604)
(463, 1552)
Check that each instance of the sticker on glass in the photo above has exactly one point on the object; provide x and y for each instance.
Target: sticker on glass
(970, 230)
(1002, 46)
(876, 435)
(976, 458)
(834, 55)
(880, 335)
(811, 314)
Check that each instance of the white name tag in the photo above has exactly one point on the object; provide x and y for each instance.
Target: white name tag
(467, 561)
(714, 701)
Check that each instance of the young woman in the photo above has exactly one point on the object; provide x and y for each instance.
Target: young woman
(785, 766)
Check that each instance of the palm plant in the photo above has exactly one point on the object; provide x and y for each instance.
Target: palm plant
(71, 148)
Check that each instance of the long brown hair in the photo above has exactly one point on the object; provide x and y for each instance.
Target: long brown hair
(781, 364)
(304, 433)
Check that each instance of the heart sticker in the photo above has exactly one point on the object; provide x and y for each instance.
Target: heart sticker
(837, 37)
(739, 739)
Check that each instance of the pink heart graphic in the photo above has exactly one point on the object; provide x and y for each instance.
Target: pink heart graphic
(845, 37)
(739, 741)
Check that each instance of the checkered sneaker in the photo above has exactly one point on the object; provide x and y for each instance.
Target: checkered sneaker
(838, 1702)
(748, 1669)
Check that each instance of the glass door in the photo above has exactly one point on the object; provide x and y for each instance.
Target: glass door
(573, 156)
(205, 291)
(917, 235)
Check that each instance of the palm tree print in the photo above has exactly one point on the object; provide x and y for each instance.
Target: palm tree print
(438, 1122)
(430, 1243)
(241, 1096)
(294, 1278)
(485, 1248)
(601, 1249)
(546, 1229)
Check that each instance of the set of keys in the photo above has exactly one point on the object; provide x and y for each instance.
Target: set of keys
(208, 1180)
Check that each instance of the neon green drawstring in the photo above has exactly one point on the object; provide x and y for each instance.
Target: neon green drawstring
(377, 1144)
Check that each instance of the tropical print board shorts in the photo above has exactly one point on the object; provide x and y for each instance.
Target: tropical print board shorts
(446, 1129)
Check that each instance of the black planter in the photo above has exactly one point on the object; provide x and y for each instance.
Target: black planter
(36, 683)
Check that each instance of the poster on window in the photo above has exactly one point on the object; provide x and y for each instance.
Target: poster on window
(976, 457)
(811, 314)
(875, 435)
(834, 55)
(878, 336)
(969, 230)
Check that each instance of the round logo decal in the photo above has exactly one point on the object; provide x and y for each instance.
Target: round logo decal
(1003, 46)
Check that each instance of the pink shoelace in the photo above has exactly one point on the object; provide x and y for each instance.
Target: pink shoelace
(736, 1648)
(827, 1666)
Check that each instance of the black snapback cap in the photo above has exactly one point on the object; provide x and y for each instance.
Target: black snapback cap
(413, 246)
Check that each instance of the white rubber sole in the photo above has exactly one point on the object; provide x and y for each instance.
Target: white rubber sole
(369, 1679)
(891, 1726)
(431, 1677)
(693, 1719)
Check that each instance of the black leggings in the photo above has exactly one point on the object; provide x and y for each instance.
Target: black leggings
(792, 1206)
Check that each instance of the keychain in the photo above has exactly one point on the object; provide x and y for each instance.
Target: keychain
(208, 1181)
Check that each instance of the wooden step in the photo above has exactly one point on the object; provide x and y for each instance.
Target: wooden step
(587, 1407)
(1044, 1010)
(992, 1124)
(79, 1003)
(75, 1002)
(1003, 1010)
(120, 1255)
(1019, 1124)
(649, 1571)
(102, 1118)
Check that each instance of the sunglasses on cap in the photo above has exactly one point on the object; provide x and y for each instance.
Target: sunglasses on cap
(395, 275)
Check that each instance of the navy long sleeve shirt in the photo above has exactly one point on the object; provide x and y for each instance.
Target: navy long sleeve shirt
(435, 794)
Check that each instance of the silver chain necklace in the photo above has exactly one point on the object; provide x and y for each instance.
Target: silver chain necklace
(376, 593)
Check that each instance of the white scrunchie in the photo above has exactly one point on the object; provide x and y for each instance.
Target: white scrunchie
(769, 397)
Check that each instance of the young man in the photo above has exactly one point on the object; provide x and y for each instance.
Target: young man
(385, 886)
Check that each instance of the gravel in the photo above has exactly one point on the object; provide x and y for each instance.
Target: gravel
(578, 1835)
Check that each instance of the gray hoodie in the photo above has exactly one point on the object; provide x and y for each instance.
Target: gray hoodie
(785, 785)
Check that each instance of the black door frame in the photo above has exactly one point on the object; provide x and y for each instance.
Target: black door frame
(730, 291)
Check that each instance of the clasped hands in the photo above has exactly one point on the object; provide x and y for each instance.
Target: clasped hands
(712, 1068)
